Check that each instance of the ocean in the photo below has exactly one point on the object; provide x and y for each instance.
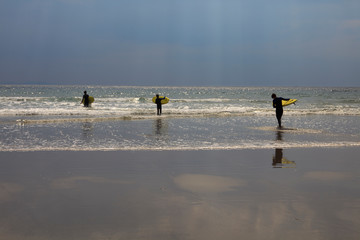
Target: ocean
(51, 118)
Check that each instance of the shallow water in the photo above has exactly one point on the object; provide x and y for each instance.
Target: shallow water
(123, 118)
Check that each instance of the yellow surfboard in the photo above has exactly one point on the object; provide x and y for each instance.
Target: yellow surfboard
(163, 101)
(91, 99)
(286, 103)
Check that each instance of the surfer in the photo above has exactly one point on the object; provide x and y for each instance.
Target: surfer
(158, 104)
(85, 99)
(277, 103)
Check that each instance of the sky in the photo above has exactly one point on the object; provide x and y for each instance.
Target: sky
(180, 42)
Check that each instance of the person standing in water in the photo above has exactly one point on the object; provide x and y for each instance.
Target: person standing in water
(277, 103)
(85, 99)
(158, 104)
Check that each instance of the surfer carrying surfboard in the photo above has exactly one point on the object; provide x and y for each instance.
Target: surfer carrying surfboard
(158, 104)
(85, 99)
(277, 103)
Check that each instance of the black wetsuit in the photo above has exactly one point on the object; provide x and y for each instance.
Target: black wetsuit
(277, 103)
(158, 104)
(86, 100)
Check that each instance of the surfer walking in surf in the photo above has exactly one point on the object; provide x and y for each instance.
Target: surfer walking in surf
(158, 104)
(277, 103)
(85, 99)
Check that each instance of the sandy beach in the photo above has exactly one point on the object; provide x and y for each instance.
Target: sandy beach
(235, 194)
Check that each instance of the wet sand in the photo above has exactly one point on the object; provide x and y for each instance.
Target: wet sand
(242, 194)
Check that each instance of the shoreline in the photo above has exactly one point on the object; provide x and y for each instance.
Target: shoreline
(182, 134)
(161, 149)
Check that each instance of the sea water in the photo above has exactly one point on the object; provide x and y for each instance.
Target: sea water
(38, 118)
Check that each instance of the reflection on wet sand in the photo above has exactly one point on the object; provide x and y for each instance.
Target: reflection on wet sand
(160, 128)
(279, 135)
(207, 183)
(87, 130)
(327, 176)
(76, 181)
(277, 157)
(7, 190)
(205, 195)
(278, 160)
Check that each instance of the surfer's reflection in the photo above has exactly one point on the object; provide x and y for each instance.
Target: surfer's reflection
(160, 128)
(280, 162)
(278, 159)
(279, 135)
(158, 124)
(87, 130)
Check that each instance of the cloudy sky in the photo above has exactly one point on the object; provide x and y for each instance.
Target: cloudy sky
(180, 42)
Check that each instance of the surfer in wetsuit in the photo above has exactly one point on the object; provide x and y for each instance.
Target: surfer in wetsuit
(277, 103)
(85, 99)
(158, 104)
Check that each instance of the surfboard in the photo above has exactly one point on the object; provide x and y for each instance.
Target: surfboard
(163, 101)
(286, 103)
(285, 161)
(91, 99)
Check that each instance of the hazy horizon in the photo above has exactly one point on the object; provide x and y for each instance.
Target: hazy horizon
(180, 43)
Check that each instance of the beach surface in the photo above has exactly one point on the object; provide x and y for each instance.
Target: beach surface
(297, 193)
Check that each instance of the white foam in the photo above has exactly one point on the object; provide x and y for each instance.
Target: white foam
(42, 106)
(249, 146)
